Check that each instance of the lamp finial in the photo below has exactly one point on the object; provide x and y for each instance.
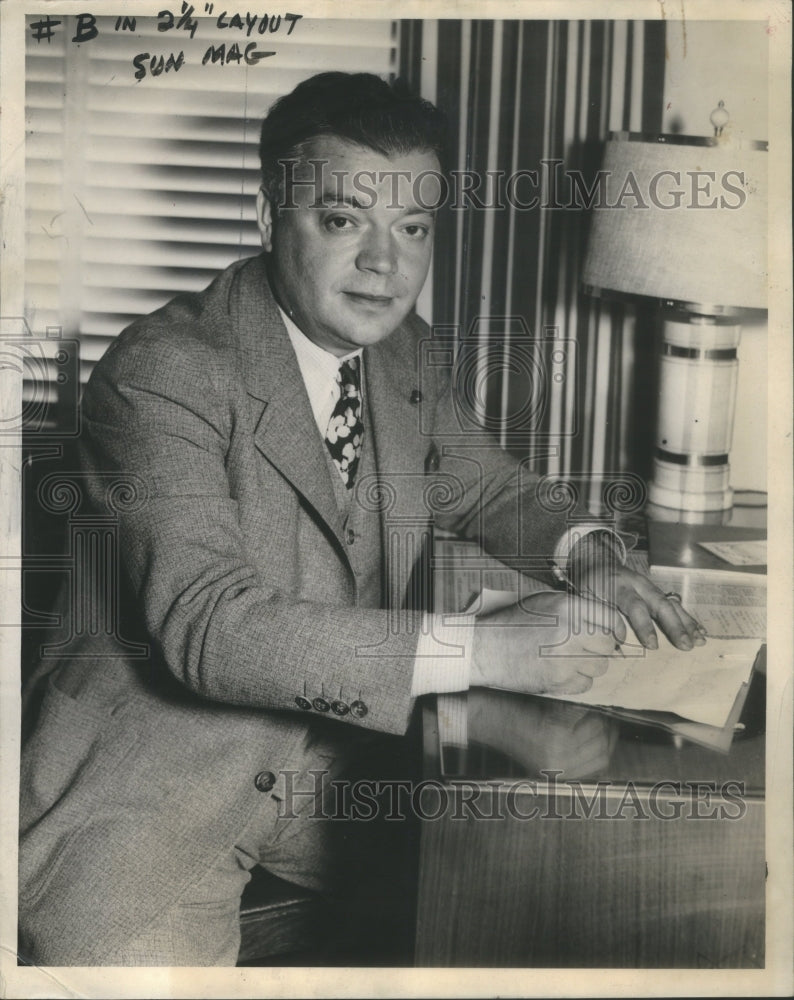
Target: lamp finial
(719, 118)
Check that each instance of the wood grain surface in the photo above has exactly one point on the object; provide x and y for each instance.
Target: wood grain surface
(579, 891)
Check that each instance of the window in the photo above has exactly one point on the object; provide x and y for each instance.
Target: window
(139, 189)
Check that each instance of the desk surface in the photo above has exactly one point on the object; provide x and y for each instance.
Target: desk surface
(569, 884)
(568, 838)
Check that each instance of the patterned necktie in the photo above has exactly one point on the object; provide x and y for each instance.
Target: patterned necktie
(345, 430)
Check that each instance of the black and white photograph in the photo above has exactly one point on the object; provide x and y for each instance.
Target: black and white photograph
(396, 499)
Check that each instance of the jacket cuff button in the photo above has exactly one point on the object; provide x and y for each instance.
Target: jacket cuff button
(303, 703)
(321, 704)
(340, 707)
(358, 709)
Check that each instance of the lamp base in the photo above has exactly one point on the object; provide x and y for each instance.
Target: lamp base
(697, 391)
(683, 500)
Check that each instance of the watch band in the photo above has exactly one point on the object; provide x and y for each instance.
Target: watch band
(560, 563)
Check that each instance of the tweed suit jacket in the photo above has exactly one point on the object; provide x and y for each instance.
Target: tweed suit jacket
(143, 758)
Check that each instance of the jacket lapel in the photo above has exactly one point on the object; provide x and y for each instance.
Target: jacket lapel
(286, 433)
(390, 374)
(401, 447)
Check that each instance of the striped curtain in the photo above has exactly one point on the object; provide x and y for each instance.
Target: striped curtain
(542, 96)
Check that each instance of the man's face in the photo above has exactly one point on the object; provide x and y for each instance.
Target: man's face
(349, 266)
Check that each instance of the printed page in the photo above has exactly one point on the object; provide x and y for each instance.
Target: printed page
(726, 610)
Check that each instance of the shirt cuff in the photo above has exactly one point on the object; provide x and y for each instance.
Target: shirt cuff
(443, 656)
(574, 534)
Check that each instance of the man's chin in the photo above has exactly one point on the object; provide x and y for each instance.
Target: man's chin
(373, 334)
(369, 326)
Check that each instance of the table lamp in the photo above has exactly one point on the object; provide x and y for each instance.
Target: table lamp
(685, 224)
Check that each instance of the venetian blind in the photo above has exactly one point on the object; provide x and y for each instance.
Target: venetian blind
(139, 189)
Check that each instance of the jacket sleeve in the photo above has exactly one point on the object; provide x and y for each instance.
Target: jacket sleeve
(158, 408)
(515, 514)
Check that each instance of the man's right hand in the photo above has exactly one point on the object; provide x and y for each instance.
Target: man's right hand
(548, 644)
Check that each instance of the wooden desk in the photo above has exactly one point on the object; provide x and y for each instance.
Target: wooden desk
(565, 837)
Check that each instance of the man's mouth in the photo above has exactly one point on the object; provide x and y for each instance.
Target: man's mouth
(365, 298)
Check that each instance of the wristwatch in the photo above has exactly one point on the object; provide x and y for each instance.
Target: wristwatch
(561, 560)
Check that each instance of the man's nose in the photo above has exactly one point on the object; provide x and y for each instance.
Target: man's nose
(378, 253)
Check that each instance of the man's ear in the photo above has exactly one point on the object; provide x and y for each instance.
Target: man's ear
(264, 219)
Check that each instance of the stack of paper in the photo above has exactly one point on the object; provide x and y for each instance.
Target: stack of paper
(701, 684)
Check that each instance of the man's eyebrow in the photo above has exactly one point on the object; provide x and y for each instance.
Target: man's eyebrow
(332, 199)
(422, 211)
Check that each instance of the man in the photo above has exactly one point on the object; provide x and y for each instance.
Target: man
(280, 435)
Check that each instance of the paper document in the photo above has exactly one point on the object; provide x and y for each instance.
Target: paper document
(714, 547)
(700, 684)
(714, 737)
(738, 553)
(734, 609)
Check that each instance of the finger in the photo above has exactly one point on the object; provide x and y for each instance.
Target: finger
(593, 765)
(592, 755)
(693, 627)
(577, 676)
(678, 625)
(593, 666)
(682, 623)
(619, 631)
(574, 714)
(639, 616)
(666, 613)
(582, 645)
(589, 726)
(603, 646)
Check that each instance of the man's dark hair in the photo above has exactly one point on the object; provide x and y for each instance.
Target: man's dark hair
(358, 107)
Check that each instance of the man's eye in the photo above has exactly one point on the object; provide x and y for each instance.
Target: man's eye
(416, 231)
(338, 223)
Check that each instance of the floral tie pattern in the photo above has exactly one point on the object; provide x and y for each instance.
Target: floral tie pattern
(345, 430)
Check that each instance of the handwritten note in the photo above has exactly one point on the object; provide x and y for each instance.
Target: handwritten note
(234, 38)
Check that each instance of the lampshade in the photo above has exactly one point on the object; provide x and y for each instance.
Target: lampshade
(684, 218)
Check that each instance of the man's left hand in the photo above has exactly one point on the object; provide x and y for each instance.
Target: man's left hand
(597, 573)
(643, 604)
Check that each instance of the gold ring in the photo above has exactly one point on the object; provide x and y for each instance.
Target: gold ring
(671, 595)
